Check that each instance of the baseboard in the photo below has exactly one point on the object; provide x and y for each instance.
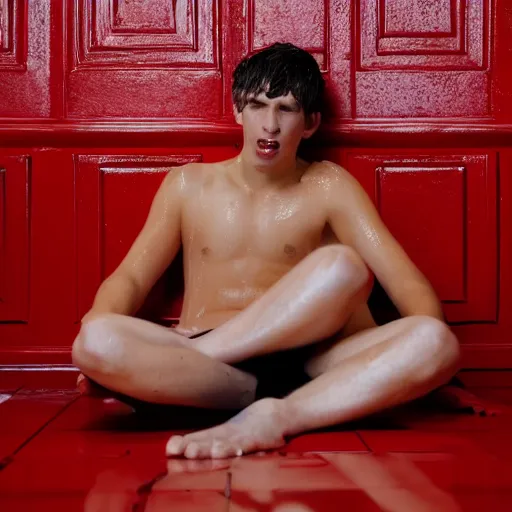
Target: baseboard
(37, 376)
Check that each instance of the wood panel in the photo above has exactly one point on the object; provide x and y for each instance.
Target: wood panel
(24, 58)
(94, 93)
(410, 64)
(143, 60)
(113, 193)
(442, 210)
(14, 238)
(320, 26)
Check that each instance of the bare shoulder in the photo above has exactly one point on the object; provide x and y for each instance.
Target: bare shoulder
(329, 177)
(188, 179)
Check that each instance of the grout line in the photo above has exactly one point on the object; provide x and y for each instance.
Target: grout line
(144, 492)
(363, 441)
(10, 458)
(227, 489)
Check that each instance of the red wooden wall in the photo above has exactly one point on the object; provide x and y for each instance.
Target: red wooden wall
(99, 98)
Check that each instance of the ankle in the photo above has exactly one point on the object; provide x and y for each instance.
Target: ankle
(291, 412)
(286, 415)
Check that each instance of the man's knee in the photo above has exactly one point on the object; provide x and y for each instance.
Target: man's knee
(345, 267)
(438, 348)
(98, 346)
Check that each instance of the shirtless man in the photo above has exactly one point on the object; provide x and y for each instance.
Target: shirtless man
(261, 276)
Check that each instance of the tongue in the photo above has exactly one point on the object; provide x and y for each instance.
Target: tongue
(268, 145)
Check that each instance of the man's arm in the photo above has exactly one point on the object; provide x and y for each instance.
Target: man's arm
(151, 253)
(356, 222)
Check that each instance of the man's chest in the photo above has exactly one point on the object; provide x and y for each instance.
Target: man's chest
(232, 226)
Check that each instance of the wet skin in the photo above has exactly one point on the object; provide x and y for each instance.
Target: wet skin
(278, 253)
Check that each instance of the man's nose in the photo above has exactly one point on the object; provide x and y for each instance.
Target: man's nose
(271, 124)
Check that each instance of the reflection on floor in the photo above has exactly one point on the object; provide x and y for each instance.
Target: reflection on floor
(62, 452)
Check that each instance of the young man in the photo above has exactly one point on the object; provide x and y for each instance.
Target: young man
(268, 300)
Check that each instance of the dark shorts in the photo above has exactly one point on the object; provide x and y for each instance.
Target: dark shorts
(278, 373)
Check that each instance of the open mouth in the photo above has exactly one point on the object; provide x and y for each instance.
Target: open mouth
(268, 146)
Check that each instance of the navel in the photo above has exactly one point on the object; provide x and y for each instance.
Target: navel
(205, 251)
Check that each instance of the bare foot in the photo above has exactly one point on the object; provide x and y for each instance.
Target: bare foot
(260, 426)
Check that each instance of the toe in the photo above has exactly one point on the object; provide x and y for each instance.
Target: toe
(175, 445)
(199, 449)
(192, 451)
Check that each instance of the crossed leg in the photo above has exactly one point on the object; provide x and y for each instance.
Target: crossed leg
(395, 363)
(367, 372)
(150, 363)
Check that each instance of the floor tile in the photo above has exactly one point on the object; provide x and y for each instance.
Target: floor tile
(446, 422)
(456, 472)
(99, 501)
(88, 413)
(290, 472)
(325, 441)
(10, 442)
(499, 443)
(43, 475)
(95, 444)
(187, 501)
(397, 483)
(302, 501)
(419, 441)
(204, 475)
(492, 501)
(26, 412)
(42, 502)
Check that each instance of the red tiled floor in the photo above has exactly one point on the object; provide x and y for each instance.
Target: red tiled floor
(44, 502)
(204, 475)
(290, 473)
(9, 443)
(24, 414)
(430, 420)
(40, 475)
(68, 453)
(187, 501)
(419, 441)
(325, 442)
(27, 411)
(93, 414)
(302, 501)
(496, 442)
(95, 444)
(492, 501)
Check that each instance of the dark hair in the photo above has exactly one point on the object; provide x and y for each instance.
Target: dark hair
(278, 70)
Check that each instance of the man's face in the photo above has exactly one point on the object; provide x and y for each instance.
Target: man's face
(273, 129)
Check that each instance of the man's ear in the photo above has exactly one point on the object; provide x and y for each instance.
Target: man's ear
(238, 115)
(312, 124)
